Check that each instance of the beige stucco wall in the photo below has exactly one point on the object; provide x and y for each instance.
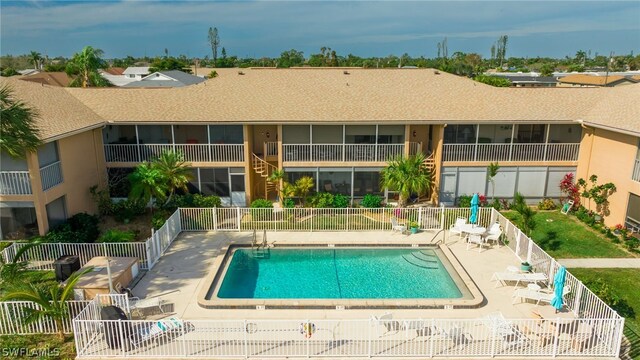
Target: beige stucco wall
(83, 166)
(610, 156)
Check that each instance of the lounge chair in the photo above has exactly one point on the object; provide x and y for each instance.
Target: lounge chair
(159, 329)
(456, 228)
(494, 234)
(504, 277)
(458, 335)
(539, 296)
(506, 330)
(396, 226)
(386, 322)
(475, 239)
(137, 305)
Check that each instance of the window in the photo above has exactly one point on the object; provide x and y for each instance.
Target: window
(366, 182)
(226, 134)
(119, 185)
(56, 212)
(460, 134)
(215, 181)
(360, 134)
(48, 154)
(155, 134)
(531, 133)
(17, 220)
(391, 134)
(296, 134)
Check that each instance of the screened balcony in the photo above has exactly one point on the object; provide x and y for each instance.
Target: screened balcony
(198, 143)
(521, 143)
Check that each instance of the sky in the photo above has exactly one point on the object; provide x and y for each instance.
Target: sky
(364, 28)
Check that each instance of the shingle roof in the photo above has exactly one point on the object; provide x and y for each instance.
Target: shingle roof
(114, 70)
(591, 79)
(60, 112)
(330, 95)
(57, 78)
(179, 79)
(136, 70)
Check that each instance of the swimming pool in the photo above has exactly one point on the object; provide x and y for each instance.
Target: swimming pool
(337, 275)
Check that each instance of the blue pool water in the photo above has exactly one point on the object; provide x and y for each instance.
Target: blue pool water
(338, 273)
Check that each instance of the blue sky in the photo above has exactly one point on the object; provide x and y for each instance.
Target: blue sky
(366, 28)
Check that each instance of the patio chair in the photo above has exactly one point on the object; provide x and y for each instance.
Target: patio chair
(504, 277)
(156, 331)
(539, 296)
(137, 305)
(494, 234)
(475, 239)
(458, 336)
(386, 322)
(396, 226)
(457, 227)
(506, 330)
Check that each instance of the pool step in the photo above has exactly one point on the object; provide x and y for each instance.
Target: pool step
(424, 265)
(423, 259)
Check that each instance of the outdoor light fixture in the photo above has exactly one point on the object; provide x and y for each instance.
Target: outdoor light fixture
(415, 133)
(268, 135)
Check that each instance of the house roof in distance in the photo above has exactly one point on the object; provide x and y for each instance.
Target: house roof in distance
(592, 80)
(170, 78)
(136, 70)
(57, 78)
(114, 70)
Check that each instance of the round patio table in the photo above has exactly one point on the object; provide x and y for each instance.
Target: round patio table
(473, 229)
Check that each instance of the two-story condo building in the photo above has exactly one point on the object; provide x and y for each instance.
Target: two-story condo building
(338, 126)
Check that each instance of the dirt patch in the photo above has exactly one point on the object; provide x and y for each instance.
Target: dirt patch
(141, 225)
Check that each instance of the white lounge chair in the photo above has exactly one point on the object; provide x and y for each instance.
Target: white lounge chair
(475, 239)
(457, 227)
(386, 322)
(155, 331)
(494, 234)
(505, 329)
(396, 226)
(539, 296)
(504, 277)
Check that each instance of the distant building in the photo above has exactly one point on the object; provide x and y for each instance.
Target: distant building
(583, 80)
(26, 72)
(57, 78)
(519, 80)
(116, 76)
(136, 72)
(164, 79)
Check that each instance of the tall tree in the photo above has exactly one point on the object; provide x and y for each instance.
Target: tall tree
(35, 58)
(85, 66)
(147, 183)
(51, 300)
(492, 171)
(174, 170)
(18, 131)
(407, 176)
(214, 41)
(291, 58)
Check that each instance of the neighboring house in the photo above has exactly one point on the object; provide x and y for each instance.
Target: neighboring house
(519, 80)
(136, 72)
(338, 127)
(116, 76)
(166, 79)
(582, 80)
(57, 78)
(26, 72)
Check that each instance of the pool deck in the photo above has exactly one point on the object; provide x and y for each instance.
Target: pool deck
(180, 276)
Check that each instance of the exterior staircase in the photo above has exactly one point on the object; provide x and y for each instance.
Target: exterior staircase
(430, 162)
(263, 169)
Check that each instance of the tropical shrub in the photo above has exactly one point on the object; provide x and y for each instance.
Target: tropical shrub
(288, 203)
(321, 200)
(159, 218)
(496, 204)
(599, 193)
(527, 223)
(128, 209)
(547, 204)
(493, 80)
(406, 176)
(340, 201)
(632, 243)
(604, 292)
(464, 200)
(103, 200)
(505, 204)
(371, 201)
(261, 204)
(192, 201)
(117, 236)
(570, 190)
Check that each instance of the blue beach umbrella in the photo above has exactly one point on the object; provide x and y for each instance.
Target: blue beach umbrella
(558, 288)
(475, 203)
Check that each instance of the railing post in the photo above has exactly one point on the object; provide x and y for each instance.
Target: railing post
(420, 218)
(555, 338)
(308, 323)
(122, 343)
(441, 216)
(238, 219)
(370, 340)
(246, 341)
(529, 250)
(576, 300)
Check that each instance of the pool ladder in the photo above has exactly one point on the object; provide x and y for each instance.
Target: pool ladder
(260, 249)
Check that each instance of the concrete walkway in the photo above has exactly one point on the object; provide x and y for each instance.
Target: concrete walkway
(601, 263)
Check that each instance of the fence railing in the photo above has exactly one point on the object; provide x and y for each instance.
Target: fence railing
(15, 183)
(636, 171)
(42, 256)
(13, 315)
(307, 338)
(271, 148)
(511, 152)
(51, 175)
(341, 152)
(191, 152)
(312, 219)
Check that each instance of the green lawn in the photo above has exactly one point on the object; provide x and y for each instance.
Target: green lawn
(625, 283)
(564, 237)
(32, 277)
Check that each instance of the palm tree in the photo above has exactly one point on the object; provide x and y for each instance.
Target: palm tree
(147, 182)
(35, 57)
(174, 170)
(51, 300)
(84, 66)
(492, 171)
(11, 272)
(303, 186)
(406, 176)
(18, 131)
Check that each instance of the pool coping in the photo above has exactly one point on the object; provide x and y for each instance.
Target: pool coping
(218, 268)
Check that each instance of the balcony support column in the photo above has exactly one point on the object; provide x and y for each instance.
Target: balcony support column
(407, 140)
(546, 143)
(39, 200)
(513, 131)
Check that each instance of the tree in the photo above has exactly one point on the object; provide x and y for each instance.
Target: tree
(174, 170)
(303, 186)
(51, 300)
(214, 41)
(18, 131)
(168, 63)
(527, 224)
(493, 80)
(547, 69)
(147, 182)
(35, 58)
(84, 66)
(291, 58)
(11, 272)
(492, 171)
(501, 49)
(406, 176)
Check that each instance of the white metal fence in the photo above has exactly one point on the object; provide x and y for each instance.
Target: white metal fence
(15, 183)
(341, 152)
(51, 175)
(13, 316)
(511, 152)
(191, 152)
(418, 338)
(312, 219)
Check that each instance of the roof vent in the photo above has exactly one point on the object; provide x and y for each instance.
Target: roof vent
(346, 72)
(436, 72)
(240, 73)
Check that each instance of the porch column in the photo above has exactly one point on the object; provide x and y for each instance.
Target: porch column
(438, 141)
(407, 139)
(248, 171)
(39, 200)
